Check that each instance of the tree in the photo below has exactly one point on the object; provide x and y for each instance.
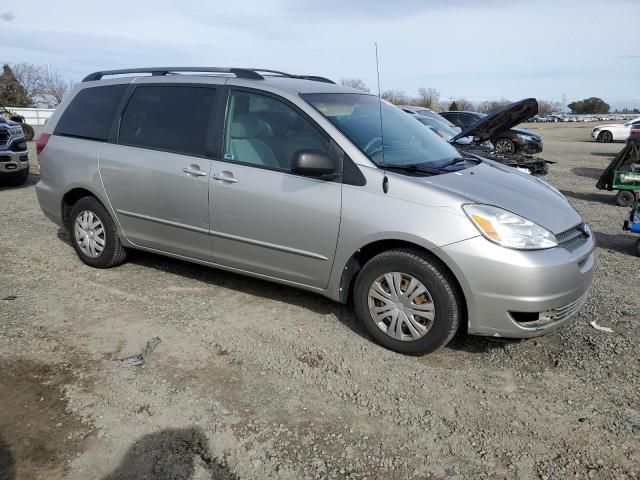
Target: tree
(427, 97)
(356, 83)
(12, 93)
(490, 106)
(463, 104)
(54, 88)
(546, 107)
(30, 76)
(453, 107)
(589, 105)
(397, 97)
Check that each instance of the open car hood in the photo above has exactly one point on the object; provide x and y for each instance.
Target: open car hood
(505, 118)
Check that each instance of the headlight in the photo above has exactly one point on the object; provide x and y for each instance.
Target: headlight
(508, 229)
(525, 138)
(17, 131)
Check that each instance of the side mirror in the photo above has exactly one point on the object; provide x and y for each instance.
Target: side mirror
(313, 163)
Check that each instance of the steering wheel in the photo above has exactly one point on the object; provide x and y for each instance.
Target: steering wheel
(371, 144)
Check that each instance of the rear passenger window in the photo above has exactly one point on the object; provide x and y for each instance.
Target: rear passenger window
(266, 132)
(91, 113)
(168, 118)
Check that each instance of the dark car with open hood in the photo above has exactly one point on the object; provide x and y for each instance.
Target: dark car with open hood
(498, 127)
(476, 140)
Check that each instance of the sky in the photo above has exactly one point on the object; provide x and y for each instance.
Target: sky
(482, 49)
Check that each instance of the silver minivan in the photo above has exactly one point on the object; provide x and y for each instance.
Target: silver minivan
(301, 181)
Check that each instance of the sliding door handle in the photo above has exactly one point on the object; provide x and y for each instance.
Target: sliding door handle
(225, 178)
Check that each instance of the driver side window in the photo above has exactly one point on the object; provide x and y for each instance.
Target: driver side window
(265, 132)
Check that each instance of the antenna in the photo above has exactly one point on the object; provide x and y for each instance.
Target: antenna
(380, 108)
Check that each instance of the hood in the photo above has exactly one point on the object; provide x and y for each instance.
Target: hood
(609, 125)
(505, 118)
(494, 184)
(7, 121)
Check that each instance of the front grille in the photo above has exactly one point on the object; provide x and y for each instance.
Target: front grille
(4, 136)
(573, 237)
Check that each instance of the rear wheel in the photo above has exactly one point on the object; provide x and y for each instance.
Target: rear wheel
(624, 198)
(94, 234)
(407, 301)
(504, 145)
(605, 137)
(638, 247)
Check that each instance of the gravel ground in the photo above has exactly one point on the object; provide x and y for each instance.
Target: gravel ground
(254, 380)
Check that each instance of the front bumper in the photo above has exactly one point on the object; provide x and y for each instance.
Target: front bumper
(13, 162)
(531, 147)
(521, 294)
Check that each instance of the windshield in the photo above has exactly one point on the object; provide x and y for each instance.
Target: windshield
(406, 142)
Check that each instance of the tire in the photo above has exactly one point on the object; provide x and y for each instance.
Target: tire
(604, 136)
(28, 131)
(504, 145)
(638, 247)
(441, 296)
(91, 210)
(624, 198)
(19, 178)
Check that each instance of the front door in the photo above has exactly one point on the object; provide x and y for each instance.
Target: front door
(157, 176)
(265, 219)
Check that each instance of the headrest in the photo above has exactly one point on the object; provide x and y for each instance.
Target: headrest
(244, 126)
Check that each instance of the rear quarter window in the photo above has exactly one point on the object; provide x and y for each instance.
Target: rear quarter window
(91, 113)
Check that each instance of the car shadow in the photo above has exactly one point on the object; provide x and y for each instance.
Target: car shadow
(603, 154)
(590, 196)
(170, 454)
(464, 342)
(7, 462)
(588, 172)
(5, 184)
(242, 284)
(621, 242)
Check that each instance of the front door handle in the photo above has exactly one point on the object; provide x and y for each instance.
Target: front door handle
(225, 178)
(194, 170)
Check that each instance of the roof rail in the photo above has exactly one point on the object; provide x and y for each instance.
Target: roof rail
(315, 78)
(248, 73)
(158, 71)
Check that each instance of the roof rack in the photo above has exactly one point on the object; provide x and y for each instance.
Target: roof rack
(247, 73)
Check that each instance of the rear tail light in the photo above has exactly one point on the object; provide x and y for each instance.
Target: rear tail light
(42, 142)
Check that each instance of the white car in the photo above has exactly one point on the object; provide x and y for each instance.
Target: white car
(614, 132)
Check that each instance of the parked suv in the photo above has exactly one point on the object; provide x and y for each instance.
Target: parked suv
(288, 178)
(510, 140)
(14, 158)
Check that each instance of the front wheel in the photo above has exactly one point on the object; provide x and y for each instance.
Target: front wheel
(504, 145)
(624, 198)
(604, 137)
(93, 234)
(407, 301)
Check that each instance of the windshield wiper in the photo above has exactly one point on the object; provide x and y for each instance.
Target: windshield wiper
(413, 168)
(455, 161)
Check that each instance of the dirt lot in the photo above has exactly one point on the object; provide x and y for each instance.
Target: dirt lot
(254, 380)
